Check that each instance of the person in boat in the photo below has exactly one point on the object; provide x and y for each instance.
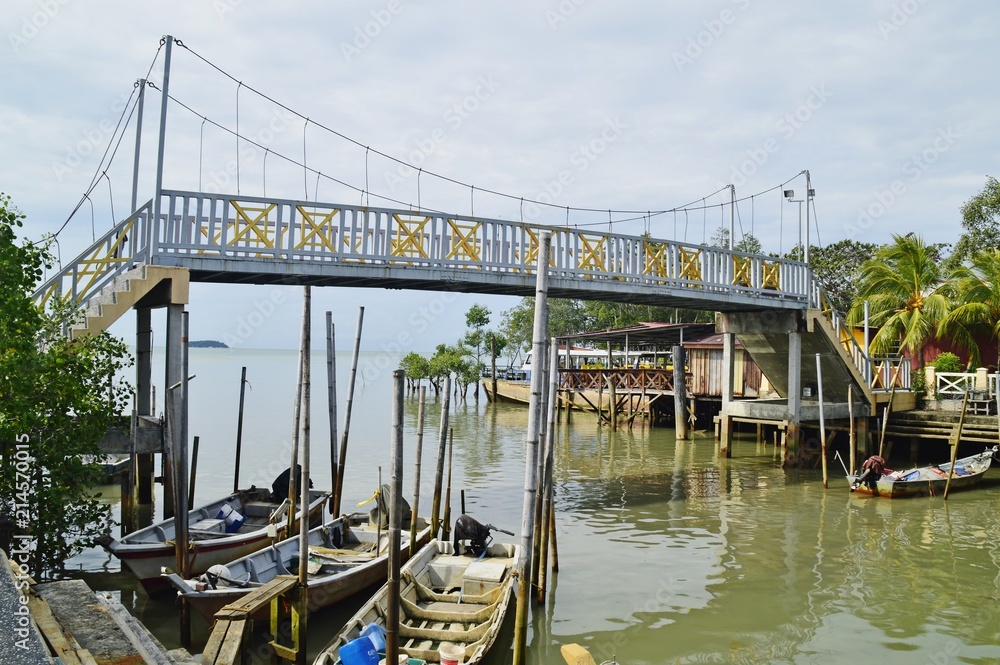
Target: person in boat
(871, 471)
(279, 488)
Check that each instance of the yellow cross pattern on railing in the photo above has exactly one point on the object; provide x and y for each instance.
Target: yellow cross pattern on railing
(317, 229)
(97, 264)
(741, 271)
(464, 240)
(592, 252)
(770, 275)
(655, 255)
(259, 225)
(409, 238)
(690, 264)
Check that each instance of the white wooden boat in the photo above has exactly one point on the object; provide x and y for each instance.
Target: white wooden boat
(146, 551)
(343, 560)
(444, 598)
(925, 479)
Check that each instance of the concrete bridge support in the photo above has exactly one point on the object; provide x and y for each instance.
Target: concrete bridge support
(793, 433)
(142, 465)
(728, 371)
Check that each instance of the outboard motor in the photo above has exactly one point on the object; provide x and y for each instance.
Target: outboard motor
(475, 534)
(871, 471)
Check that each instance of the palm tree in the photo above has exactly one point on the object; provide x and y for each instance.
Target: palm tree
(975, 289)
(902, 284)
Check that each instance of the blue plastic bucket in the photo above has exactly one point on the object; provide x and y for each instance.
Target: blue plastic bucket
(360, 651)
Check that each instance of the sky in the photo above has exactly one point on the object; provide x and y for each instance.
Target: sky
(625, 106)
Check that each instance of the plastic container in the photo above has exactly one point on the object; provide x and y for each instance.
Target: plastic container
(376, 634)
(451, 654)
(359, 651)
(233, 519)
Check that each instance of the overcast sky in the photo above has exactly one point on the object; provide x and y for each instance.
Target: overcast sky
(623, 106)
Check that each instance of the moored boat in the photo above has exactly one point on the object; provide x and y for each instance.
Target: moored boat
(448, 601)
(220, 531)
(875, 480)
(343, 560)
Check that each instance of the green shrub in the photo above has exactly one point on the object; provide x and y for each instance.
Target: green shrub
(947, 362)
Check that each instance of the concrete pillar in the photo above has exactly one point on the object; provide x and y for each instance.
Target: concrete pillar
(728, 372)
(982, 379)
(930, 380)
(142, 465)
(172, 376)
(680, 395)
(794, 394)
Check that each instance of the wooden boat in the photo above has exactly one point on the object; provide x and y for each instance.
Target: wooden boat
(926, 479)
(343, 560)
(148, 550)
(444, 598)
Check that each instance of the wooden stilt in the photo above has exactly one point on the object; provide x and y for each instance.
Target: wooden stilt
(442, 449)
(347, 416)
(416, 476)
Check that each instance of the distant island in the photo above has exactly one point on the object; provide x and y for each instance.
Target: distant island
(207, 344)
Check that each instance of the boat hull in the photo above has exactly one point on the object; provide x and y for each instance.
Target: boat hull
(931, 481)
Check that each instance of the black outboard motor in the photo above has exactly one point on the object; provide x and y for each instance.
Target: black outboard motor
(475, 534)
(279, 488)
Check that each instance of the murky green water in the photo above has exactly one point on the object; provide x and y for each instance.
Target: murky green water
(667, 553)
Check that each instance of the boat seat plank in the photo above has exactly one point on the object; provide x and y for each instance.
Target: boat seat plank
(258, 598)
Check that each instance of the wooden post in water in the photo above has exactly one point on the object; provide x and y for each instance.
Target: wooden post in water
(551, 360)
(302, 600)
(239, 429)
(852, 440)
(293, 476)
(613, 406)
(548, 453)
(539, 338)
(446, 522)
(181, 480)
(395, 519)
(822, 420)
(954, 450)
(680, 394)
(416, 476)
(347, 415)
(442, 445)
(331, 401)
(600, 402)
(194, 471)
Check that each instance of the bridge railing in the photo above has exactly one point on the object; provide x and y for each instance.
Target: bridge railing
(633, 380)
(116, 251)
(277, 229)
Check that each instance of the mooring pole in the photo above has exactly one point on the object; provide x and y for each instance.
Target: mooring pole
(395, 519)
(954, 450)
(853, 433)
(822, 421)
(539, 341)
(293, 476)
(446, 521)
(303, 590)
(331, 399)
(181, 480)
(680, 397)
(548, 451)
(347, 415)
(442, 446)
(239, 429)
(543, 366)
(422, 400)
(194, 471)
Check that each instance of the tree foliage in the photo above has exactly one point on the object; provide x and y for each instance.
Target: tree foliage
(981, 222)
(902, 284)
(57, 399)
(974, 291)
(837, 267)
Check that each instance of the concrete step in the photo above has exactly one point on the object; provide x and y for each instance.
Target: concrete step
(126, 291)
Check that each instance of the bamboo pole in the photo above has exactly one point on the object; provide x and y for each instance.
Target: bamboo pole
(302, 598)
(239, 429)
(888, 408)
(539, 337)
(293, 479)
(853, 441)
(442, 445)
(954, 450)
(600, 401)
(331, 401)
(180, 489)
(446, 522)
(553, 541)
(395, 519)
(194, 470)
(822, 419)
(416, 476)
(347, 415)
(543, 366)
(547, 457)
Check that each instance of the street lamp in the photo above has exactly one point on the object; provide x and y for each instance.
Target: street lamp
(810, 194)
(789, 194)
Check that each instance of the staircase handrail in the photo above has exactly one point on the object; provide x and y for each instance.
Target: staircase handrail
(126, 244)
(862, 360)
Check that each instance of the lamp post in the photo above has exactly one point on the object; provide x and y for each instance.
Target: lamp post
(810, 194)
(789, 193)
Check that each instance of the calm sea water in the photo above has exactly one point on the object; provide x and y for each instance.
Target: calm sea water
(668, 554)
